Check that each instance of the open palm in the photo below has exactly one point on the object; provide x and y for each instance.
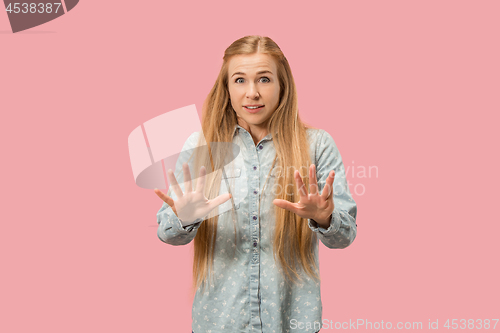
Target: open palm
(191, 205)
(314, 206)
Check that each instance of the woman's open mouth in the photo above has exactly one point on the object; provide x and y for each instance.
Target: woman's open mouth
(253, 108)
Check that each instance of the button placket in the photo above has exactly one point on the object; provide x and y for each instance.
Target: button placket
(255, 267)
(253, 220)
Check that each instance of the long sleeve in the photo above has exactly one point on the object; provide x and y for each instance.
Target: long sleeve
(342, 230)
(170, 228)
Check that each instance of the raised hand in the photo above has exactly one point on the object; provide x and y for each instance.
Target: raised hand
(313, 205)
(190, 205)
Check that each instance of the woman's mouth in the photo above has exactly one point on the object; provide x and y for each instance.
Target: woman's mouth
(253, 108)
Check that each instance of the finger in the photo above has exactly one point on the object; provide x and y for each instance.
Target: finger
(219, 200)
(313, 182)
(164, 197)
(187, 178)
(286, 205)
(167, 199)
(300, 184)
(200, 183)
(173, 182)
(328, 189)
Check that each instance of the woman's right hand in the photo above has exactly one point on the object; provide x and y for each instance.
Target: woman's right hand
(191, 205)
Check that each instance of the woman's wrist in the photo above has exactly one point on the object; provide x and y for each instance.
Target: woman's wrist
(324, 223)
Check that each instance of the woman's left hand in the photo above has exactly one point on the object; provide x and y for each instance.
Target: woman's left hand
(313, 205)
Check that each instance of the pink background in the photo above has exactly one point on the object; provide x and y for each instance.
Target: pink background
(411, 87)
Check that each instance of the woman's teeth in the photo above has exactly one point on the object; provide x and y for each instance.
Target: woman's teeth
(253, 107)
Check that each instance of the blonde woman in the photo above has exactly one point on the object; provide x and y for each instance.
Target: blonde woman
(269, 187)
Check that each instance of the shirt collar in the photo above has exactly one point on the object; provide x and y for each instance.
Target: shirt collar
(238, 128)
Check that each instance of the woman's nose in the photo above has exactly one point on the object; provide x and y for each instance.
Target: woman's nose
(252, 92)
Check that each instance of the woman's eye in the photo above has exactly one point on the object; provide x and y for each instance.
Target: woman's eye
(264, 78)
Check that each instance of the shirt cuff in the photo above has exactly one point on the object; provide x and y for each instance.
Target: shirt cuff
(189, 227)
(332, 228)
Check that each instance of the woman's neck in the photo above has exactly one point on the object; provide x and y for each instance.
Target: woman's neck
(257, 132)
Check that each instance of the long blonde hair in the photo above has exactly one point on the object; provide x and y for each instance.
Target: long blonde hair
(293, 239)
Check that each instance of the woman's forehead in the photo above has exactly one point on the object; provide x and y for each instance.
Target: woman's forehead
(251, 64)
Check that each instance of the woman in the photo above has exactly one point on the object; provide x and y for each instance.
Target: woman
(256, 265)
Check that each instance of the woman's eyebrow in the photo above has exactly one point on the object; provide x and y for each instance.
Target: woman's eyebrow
(261, 72)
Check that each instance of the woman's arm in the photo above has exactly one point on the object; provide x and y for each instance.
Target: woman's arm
(342, 229)
(170, 229)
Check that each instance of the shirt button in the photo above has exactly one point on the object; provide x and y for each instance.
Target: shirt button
(255, 244)
(255, 168)
(255, 192)
(260, 147)
(255, 217)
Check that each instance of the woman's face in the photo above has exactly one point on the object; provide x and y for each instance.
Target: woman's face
(253, 81)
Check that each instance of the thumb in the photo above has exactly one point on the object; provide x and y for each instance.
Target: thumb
(220, 200)
(280, 203)
(285, 205)
(166, 199)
